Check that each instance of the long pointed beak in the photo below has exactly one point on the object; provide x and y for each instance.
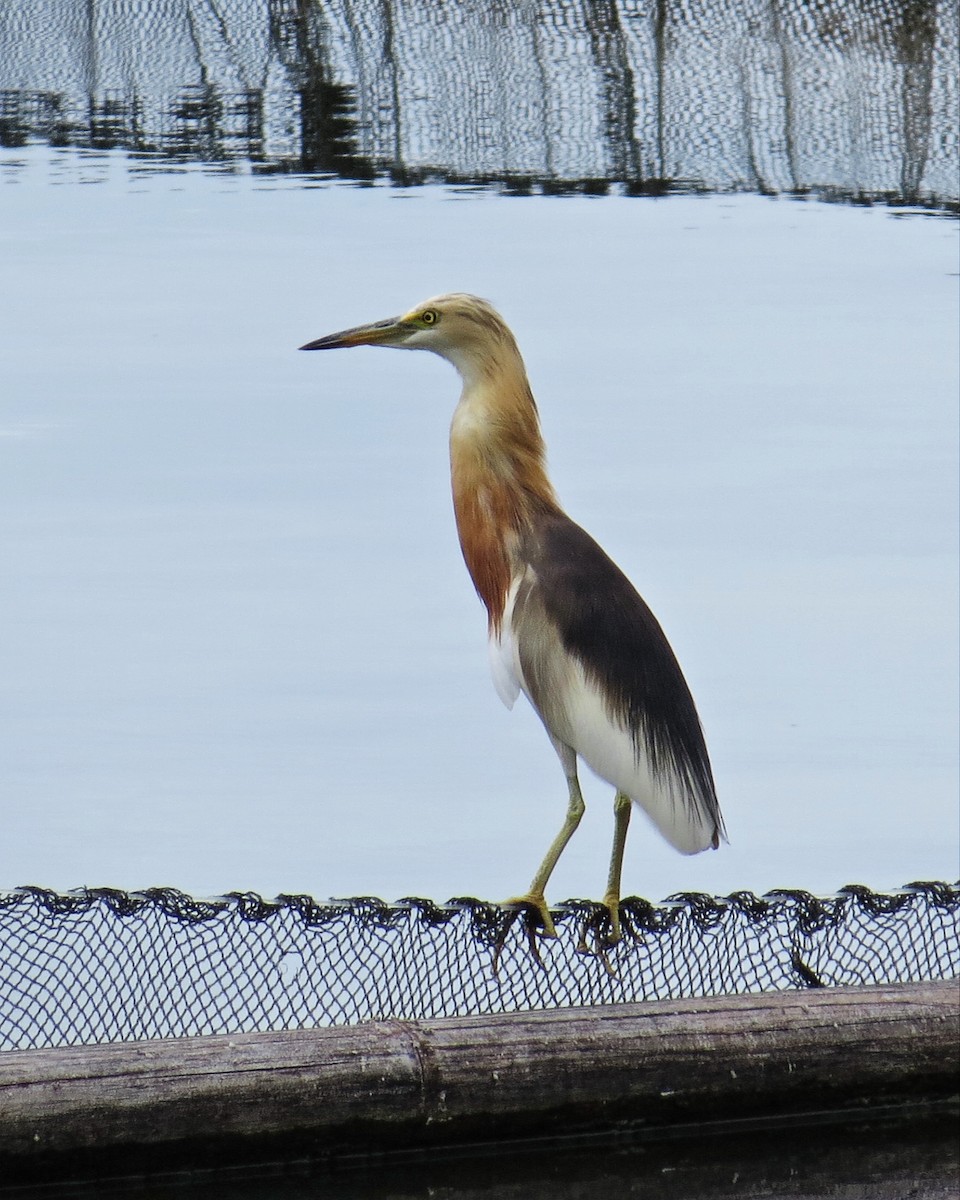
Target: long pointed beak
(377, 334)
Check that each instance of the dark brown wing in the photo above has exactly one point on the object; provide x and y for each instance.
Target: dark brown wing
(605, 625)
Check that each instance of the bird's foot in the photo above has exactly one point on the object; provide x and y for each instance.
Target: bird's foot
(612, 904)
(536, 901)
(605, 928)
(532, 909)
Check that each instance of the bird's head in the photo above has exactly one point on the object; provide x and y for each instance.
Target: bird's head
(463, 329)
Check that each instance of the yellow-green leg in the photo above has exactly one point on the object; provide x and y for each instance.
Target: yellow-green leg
(622, 806)
(575, 810)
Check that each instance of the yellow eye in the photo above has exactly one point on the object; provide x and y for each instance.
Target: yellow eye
(429, 317)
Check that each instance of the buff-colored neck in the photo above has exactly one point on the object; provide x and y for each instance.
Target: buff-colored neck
(498, 472)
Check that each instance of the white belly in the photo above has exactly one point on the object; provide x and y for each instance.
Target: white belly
(609, 750)
(581, 721)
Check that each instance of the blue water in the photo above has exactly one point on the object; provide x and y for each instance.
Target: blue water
(241, 650)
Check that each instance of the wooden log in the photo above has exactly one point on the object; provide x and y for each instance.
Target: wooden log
(391, 1084)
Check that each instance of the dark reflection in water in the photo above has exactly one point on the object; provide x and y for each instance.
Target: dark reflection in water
(848, 98)
(881, 1161)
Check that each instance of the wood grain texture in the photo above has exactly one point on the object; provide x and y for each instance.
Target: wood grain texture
(386, 1084)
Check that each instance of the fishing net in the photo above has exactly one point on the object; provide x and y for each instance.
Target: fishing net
(101, 965)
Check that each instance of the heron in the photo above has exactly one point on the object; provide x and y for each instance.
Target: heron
(565, 625)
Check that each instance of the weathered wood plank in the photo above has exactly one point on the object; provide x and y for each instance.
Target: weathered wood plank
(392, 1083)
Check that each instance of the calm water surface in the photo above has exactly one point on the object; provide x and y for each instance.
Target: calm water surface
(880, 1162)
(240, 650)
(245, 652)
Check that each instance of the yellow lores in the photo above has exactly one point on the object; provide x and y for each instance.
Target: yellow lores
(567, 628)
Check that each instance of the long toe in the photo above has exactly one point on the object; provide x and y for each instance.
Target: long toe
(538, 902)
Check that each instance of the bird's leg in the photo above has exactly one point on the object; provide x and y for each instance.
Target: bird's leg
(575, 810)
(622, 806)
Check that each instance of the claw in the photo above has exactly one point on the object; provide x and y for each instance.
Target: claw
(604, 929)
(536, 916)
(539, 903)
